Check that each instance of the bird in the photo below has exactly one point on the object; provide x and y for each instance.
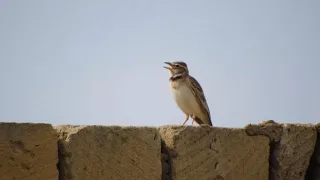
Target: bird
(188, 93)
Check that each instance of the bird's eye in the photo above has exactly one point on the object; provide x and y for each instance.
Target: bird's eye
(176, 66)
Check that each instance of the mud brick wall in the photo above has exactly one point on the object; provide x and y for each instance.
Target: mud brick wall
(265, 151)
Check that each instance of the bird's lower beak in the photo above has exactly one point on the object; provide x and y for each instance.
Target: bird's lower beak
(169, 68)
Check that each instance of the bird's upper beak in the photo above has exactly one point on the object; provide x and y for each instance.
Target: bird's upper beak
(169, 68)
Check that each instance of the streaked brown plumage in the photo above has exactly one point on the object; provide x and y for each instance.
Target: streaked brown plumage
(188, 93)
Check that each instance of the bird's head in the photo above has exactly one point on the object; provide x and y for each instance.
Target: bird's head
(177, 67)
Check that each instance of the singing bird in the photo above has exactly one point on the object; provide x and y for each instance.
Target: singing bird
(188, 93)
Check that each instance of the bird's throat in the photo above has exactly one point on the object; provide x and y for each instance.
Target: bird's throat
(176, 77)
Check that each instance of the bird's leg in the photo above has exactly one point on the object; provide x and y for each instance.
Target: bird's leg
(193, 117)
(187, 117)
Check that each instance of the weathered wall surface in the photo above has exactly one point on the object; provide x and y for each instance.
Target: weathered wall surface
(215, 153)
(97, 152)
(28, 152)
(257, 152)
(291, 148)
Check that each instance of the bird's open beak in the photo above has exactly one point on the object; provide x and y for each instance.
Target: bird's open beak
(169, 68)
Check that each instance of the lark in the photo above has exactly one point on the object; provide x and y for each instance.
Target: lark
(188, 93)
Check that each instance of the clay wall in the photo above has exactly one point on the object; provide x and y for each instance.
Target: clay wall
(256, 152)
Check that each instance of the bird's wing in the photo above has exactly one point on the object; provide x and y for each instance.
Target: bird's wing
(198, 92)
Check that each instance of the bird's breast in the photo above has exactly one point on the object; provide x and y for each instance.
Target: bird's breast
(184, 97)
(175, 84)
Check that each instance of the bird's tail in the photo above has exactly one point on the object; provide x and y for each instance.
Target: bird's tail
(199, 121)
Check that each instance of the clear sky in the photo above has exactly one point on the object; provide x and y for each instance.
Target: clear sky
(100, 61)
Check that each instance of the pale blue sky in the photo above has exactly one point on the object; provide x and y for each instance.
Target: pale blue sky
(100, 62)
